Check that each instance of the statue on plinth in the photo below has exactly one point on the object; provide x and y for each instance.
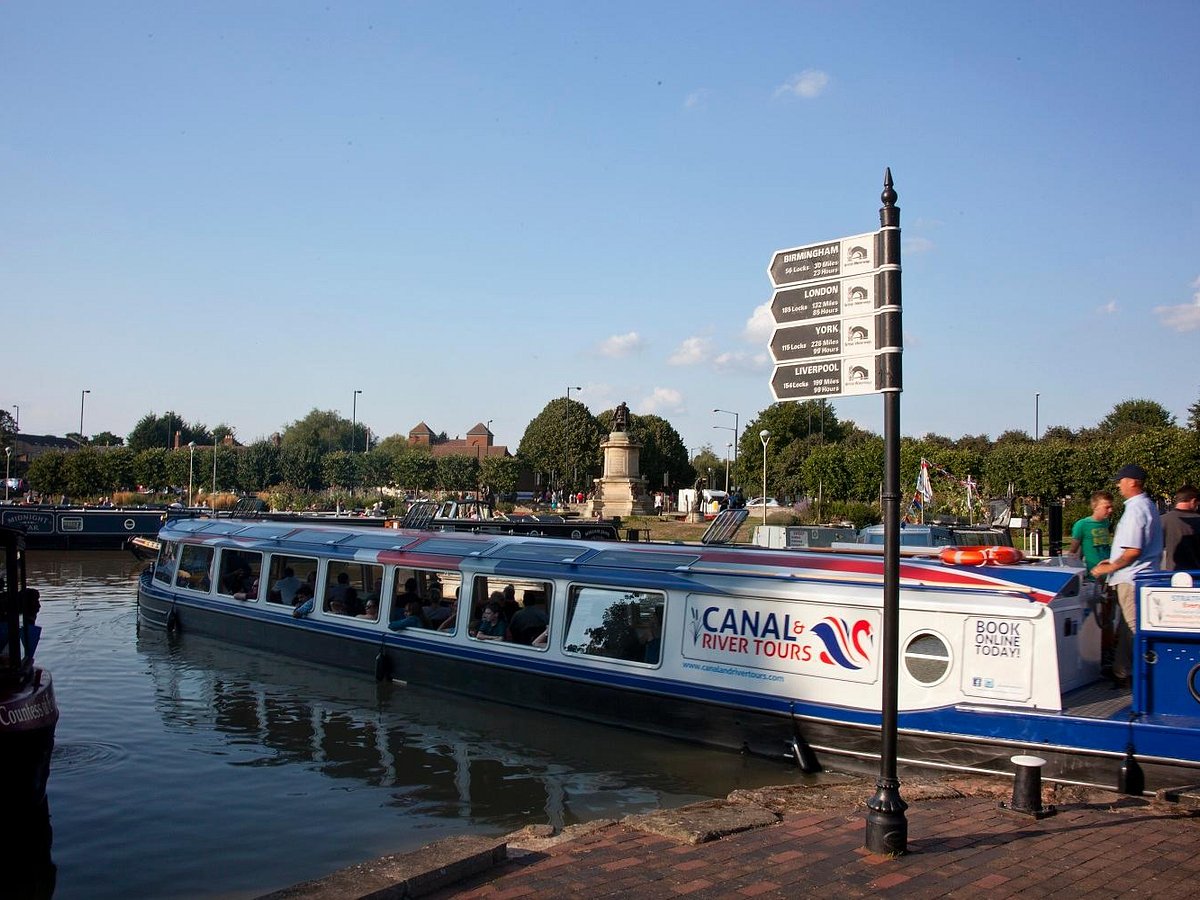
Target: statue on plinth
(620, 419)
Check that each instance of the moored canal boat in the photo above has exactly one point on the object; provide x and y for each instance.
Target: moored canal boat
(773, 652)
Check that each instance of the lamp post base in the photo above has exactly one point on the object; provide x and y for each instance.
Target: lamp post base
(887, 826)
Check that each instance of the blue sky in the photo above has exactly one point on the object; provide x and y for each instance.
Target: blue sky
(242, 211)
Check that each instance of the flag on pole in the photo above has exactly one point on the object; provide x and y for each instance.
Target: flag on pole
(924, 487)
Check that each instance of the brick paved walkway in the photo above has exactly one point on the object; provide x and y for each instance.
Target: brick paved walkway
(958, 847)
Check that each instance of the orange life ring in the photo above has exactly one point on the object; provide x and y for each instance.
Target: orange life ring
(1002, 556)
(963, 556)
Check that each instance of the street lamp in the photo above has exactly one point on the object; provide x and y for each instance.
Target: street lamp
(736, 420)
(354, 423)
(728, 447)
(1037, 398)
(213, 499)
(7, 462)
(82, 395)
(191, 469)
(764, 436)
(17, 420)
(567, 435)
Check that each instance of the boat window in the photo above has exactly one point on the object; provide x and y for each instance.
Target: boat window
(164, 568)
(523, 610)
(453, 546)
(927, 658)
(287, 574)
(189, 525)
(615, 624)
(425, 598)
(240, 570)
(195, 568)
(393, 541)
(319, 536)
(549, 551)
(350, 587)
(266, 532)
(222, 527)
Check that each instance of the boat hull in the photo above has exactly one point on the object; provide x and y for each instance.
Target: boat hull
(724, 719)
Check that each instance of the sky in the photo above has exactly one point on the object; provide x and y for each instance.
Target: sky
(242, 211)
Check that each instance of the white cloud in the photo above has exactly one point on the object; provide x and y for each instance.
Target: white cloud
(662, 400)
(917, 245)
(697, 99)
(691, 352)
(1108, 308)
(742, 361)
(621, 344)
(808, 84)
(759, 326)
(1185, 316)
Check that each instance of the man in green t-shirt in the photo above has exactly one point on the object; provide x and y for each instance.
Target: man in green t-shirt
(1091, 538)
(1092, 535)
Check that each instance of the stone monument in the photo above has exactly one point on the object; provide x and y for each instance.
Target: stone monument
(621, 491)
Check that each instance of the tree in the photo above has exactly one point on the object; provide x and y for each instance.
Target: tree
(8, 428)
(47, 473)
(341, 469)
(414, 469)
(159, 431)
(1058, 433)
(118, 468)
(703, 461)
(1014, 436)
(300, 463)
(1131, 416)
(150, 468)
(106, 439)
(500, 473)
(258, 466)
(563, 439)
(84, 471)
(375, 468)
(1194, 417)
(325, 431)
(456, 472)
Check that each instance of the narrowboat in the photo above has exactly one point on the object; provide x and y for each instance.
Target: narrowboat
(49, 527)
(28, 718)
(774, 652)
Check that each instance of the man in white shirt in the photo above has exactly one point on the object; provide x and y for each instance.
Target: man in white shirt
(1137, 546)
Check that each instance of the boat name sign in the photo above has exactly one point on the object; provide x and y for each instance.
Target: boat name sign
(831, 642)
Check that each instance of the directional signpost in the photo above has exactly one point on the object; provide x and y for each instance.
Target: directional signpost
(837, 333)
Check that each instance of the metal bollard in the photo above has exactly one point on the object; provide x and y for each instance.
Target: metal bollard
(1027, 788)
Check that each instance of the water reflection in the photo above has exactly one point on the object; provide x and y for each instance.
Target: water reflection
(173, 755)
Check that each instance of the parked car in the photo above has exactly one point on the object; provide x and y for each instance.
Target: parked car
(759, 503)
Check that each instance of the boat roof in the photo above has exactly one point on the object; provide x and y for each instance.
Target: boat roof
(394, 546)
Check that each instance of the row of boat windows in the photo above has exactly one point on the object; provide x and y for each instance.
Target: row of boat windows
(609, 622)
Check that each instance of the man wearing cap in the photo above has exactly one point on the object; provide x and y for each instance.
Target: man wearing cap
(1137, 546)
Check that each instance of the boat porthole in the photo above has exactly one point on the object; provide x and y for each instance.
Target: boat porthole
(1193, 682)
(575, 534)
(130, 524)
(927, 658)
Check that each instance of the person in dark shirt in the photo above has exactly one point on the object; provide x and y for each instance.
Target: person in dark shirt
(1181, 532)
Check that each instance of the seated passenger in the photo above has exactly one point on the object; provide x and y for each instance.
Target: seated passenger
(337, 591)
(303, 601)
(530, 621)
(448, 623)
(437, 610)
(492, 626)
(414, 617)
(284, 590)
(370, 610)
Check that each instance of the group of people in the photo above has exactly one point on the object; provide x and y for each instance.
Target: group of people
(1142, 541)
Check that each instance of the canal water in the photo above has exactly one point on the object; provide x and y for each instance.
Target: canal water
(193, 768)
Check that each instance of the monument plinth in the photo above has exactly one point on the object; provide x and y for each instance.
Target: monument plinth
(621, 491)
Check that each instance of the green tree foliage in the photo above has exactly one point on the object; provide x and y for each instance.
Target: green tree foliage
(48, 473)
(1131, 416)
(8, 428)
(455, 472)
(564, 443)
(300, 464)
(325, 431)
(159, 431)
(704, 460)
(375, 469)
(106, 439)
(341, 469)
(1014, 436)
(811, 423)
(84, 472)
(1058, 433)
(258, 466)
(119, 468)
(1194, 417)
(413, 468)
(500, 473)
(150, 469)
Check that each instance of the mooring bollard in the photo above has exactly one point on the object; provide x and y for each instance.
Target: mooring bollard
(1027, 788)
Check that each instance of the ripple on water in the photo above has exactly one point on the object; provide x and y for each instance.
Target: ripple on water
(72, 758)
